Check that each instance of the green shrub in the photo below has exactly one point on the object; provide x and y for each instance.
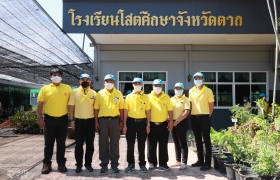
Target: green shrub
(266, 160)
(25, 122)
(242, 114)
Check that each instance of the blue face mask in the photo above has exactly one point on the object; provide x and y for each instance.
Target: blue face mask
(198, 82)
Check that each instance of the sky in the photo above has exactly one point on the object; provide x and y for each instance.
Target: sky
(54, 9)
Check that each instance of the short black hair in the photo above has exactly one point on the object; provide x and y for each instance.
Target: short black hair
(56, 70)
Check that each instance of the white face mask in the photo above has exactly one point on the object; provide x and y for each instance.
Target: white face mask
(56, 79)
(178, 92)
(137, 88)
(157, 90)
(109, 85)
(198, 82)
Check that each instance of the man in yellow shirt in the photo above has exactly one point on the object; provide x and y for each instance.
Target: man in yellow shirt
(108, 113)
(81, 107)
(202, 105)
(55, 97)
(181, 111)
(161, 112)
(137, 115)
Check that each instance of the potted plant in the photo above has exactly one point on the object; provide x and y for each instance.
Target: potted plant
(265, 165)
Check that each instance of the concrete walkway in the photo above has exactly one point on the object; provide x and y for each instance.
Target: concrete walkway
(21, 159)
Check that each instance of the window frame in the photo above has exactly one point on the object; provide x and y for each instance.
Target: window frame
(144, 82)
(233, 83)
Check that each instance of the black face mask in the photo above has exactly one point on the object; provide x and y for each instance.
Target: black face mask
(85, 84)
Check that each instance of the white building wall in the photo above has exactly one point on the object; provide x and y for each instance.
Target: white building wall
(181, 60)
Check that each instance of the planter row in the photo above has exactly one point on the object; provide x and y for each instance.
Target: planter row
(224, 163)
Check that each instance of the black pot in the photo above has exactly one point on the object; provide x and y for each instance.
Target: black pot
(230, 171)
(215, 148)
(215, 151)
(252, 178)
(245, 163)
(222, 166)
(267, 177)
(244, 173)
(236, 169)
(214, 161)
(229, 154)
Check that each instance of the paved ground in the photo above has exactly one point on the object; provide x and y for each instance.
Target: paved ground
(20, 153)
(20, 158)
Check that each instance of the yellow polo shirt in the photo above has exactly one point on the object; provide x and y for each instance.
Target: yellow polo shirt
(200, 100)
(137, 104)
(180, 105)
(160, 107)
(83, 102)
(108, 103)
(55, 99)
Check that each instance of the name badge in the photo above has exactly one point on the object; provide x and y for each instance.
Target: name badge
(116, 99)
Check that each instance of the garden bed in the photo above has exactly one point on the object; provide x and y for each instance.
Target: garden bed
(250, 149)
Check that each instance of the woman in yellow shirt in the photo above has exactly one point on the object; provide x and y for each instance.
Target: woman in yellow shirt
(181, 111)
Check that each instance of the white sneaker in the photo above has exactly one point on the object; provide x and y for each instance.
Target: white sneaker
(151, 166)
(176, 164)
(183, 166)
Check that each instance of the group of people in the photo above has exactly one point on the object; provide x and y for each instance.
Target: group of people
(139, 117)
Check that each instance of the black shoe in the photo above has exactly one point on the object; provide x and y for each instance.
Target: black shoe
(205, 167)
(89, 168)
(62, 168)
(103, 170)
(164, 168)
(197, 164)
(143, 169)
(47, 168)
(78, 170)
(129, 168)
(115, 170)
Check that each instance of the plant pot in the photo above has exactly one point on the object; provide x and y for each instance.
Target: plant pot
(236, 169)
(229, 170)
(70, 133)
(252, 178)
(245, 163)
(215, 152)
(214, 148)
(267, 177)
(226, 153)
(221, 162)
(244, 173)
(214, 161)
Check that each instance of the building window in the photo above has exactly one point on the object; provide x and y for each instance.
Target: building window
(125, 79)
(229, 88)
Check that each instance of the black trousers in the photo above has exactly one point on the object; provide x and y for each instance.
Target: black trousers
(201, 128)
(84, 132)
(136, 129)
(158, 135)
(179, 134)
(55, 130)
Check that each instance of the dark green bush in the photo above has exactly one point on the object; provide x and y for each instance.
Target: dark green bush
(25, 122)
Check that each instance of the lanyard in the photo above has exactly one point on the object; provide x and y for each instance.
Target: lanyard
(180, 99)
(84, 96)
(197, 94)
